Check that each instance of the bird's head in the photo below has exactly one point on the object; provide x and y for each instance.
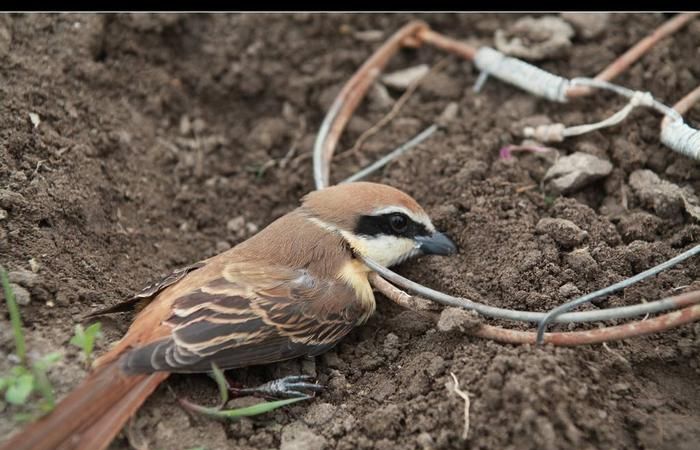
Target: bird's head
(378, 221)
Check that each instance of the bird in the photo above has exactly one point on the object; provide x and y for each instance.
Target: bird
(294, 289)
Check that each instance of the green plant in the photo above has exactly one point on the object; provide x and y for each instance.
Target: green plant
(85, 338)
(218, 413)
(27, 377)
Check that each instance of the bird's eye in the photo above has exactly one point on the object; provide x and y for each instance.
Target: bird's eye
(398, 222)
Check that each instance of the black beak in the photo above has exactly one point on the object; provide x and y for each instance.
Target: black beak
(436, 244)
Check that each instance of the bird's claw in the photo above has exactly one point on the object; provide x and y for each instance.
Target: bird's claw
(292, 386)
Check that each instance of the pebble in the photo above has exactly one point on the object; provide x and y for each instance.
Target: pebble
(23, 277)
(588, 25)
(379, 96)
(535, 38)
(563, 231)
(222, 246)
(571, 173)
(22, 296)
(448, 114)
(369, 35)
(3, 214)
(453, 319)
(402, 79)
(235, 224)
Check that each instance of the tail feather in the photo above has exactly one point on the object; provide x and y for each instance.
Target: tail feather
(91, 415)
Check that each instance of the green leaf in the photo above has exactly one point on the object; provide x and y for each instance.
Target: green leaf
(221, 381)
(254, 410)
(20, 389)
(85, 338)
(47, 361)
(78, 338)
(18, 371)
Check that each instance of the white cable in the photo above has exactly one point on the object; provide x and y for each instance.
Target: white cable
(557, 132)
(521, 74)
(679, 136)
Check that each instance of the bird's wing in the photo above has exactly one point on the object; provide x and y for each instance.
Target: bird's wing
(143, 297)
(250, 316)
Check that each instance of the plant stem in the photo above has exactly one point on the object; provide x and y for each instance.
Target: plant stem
(15, 318)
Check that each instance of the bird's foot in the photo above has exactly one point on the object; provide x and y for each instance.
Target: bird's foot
(292, 386)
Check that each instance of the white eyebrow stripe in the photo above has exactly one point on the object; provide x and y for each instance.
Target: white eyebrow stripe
(420, 218)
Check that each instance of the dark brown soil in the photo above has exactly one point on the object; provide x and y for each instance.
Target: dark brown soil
(151, 154)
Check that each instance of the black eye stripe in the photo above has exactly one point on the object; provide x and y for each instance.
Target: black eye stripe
(381, 225)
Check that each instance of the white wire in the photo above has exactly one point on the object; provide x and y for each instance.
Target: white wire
(679, 136)
(519, 73)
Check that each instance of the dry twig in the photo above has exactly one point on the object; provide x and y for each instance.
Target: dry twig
(624, 61)
(465, 396)
(396, 108)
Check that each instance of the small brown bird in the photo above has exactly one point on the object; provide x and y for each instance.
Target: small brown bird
(294, 289)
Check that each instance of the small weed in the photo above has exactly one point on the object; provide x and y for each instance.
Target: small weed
(28, 377)
(85, 338)
(217, 412)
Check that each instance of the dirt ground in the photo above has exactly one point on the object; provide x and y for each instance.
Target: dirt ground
(164, 139)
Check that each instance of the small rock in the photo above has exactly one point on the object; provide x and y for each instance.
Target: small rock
(236, 224)
(222, 246)
(298, 436)
(452, 319)
(34, 119)
(22, 296)
(369, 35)
(588, 25)
(639, 226)
(185, 125)
(563, 231)
(664, 198)
(575, 171)
(23, 277)
(3, 214)
(34, 265)
(569, 290)
(448, 114)
(402, 79)
(379, 96)
(535, 39)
